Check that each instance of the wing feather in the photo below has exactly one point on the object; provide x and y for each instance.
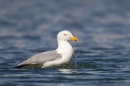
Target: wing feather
(40, 58)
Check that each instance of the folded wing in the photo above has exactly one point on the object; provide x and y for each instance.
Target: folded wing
(39, 59)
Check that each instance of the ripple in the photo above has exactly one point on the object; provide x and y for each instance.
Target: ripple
(102, 54)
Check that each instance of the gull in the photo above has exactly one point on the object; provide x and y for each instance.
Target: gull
(62, 55)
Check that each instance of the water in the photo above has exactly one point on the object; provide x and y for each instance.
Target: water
(28, 27)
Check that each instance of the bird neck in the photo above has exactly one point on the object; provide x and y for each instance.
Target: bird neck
(64, 46)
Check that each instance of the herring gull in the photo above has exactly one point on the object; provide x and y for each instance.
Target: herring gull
(62, 55)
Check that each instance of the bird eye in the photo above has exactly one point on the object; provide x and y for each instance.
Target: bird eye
(64, 34)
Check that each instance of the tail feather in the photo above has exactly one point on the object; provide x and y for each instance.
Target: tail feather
(21, 66)
(28, 66)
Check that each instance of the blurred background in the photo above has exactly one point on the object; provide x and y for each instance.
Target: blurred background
(97, 23)
(102, 26)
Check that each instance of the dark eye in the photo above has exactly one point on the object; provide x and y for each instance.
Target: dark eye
(64, 34)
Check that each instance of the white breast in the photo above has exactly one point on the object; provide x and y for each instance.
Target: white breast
(66, 50)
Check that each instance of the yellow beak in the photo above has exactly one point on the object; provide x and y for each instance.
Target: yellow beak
(74, 39)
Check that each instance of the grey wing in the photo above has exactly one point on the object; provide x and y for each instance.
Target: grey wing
(40, 58)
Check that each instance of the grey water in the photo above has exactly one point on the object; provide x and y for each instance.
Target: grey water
(28, 27)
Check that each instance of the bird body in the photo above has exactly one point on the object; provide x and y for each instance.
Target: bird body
(62, 55)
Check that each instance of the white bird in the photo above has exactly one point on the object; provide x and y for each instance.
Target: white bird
(62, 55)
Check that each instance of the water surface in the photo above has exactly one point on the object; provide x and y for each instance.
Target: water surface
(102, 53)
